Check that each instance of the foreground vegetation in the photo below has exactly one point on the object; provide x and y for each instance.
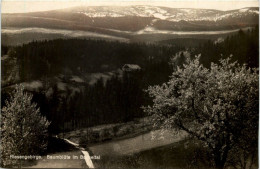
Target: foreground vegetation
(23, 129)
(218, 106)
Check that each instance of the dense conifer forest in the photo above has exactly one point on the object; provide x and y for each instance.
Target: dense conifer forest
(50, 58)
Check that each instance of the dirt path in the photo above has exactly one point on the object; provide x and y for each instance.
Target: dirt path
(136, 144)
(85, 153)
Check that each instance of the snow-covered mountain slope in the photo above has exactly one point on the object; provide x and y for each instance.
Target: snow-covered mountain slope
(122, 21)
(164, 13)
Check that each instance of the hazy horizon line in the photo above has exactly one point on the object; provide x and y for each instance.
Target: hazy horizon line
(28, 6)
(128, 6)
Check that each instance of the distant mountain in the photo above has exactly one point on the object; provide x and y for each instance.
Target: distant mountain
(137, 17)
(164, 18)
(132, 23)
(164, 13)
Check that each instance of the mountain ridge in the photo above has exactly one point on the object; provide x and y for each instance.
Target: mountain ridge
(163, 13)
(132, 23)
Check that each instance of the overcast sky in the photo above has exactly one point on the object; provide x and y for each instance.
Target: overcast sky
(21, 6)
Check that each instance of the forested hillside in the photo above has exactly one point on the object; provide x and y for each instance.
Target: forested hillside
(75, 56)
(118, 98)
(243, 47)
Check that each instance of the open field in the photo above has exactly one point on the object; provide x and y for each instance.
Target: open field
(180, 154)
(136, 144)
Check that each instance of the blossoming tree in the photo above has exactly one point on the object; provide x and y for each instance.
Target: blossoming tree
(218, 106)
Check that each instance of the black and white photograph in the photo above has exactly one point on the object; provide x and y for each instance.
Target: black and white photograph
(156, 84)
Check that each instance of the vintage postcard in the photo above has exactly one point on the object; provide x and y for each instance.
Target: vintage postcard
(129, 84)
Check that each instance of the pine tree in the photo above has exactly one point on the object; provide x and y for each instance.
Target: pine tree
(23, 128)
